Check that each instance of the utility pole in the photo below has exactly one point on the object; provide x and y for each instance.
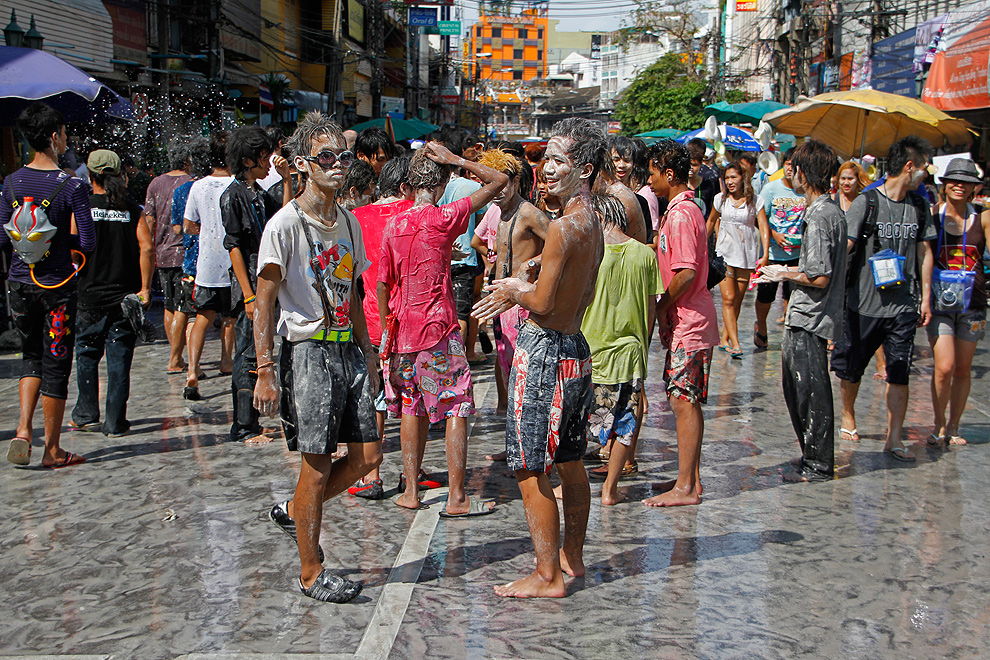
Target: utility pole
(376, 46)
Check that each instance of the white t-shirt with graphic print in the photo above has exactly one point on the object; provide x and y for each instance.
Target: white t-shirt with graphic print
(341, 252)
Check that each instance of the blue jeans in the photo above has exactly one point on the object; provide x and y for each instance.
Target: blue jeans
(99, 331)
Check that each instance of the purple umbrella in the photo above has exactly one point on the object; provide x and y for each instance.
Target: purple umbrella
(28, 75)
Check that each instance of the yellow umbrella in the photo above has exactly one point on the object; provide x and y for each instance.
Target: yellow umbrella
(865, 121)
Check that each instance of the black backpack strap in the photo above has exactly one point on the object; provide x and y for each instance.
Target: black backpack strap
(51, 198)
(866, 230)
(10, 191)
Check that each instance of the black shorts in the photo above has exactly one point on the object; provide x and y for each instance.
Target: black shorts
(462, 279)
(550, 397)
(171, 281)
(767, 293)
(188, 289)
(326, 396)
(863, 335)
(45, 319)
(213, 299)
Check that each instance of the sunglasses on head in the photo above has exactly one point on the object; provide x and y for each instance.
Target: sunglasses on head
(327, 159)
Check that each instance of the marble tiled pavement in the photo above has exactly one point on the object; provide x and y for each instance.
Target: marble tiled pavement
(159, 546)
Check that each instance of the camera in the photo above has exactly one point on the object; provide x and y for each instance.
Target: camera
(948, 297)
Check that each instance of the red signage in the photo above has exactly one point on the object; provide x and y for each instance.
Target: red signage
(745, 5)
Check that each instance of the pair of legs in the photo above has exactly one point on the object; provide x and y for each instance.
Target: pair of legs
(320, 479)
(950, 384)
(808, 394)
(104, 331)
(175, 331)
(897, 400)
(543, 518)
(733, 289)
(54, 412)
(45, 320)
(413, 432)
(197, 341)
(686, 377)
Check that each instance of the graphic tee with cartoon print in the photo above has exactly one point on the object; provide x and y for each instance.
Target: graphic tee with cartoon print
(341, 256)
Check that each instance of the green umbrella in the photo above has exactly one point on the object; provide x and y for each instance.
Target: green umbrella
(662, 133)
(742, 113)
(403, 129)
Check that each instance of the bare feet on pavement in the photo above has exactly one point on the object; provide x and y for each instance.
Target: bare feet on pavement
(610, 499)
(496, 458)
(533, 586)
(676, 496)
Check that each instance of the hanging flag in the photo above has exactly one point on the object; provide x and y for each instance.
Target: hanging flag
(265, 98)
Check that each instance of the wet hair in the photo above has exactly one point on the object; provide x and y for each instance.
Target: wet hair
(359, 175)
(246, 143)
(370, 140)
(275, 134)
(200, 156)
(534, 152)
(788, 155)
(453, 139)
(425, 173)
(747, 183)
(817, 163)
(218, 149)
(504, 162)
(696, 148)
(588, 143)
(858, 172)
(668, 155)
(37, 123)
(610, 212)
(177, 152)
(633, 150)
(394, 174)
(313, 125)
(911, 148)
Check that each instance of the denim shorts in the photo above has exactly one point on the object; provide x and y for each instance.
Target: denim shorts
(968, 326)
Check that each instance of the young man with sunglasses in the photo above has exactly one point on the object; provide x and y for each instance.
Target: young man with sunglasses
(244, 210)
(311, 256)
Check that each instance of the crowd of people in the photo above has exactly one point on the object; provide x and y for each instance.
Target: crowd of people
(353, 279)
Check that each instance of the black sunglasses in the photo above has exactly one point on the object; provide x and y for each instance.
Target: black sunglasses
(327, 159)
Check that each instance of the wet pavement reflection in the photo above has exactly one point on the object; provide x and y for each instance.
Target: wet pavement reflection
(160, 547)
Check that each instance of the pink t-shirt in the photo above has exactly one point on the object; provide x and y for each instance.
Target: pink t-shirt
(487, 230)
(373, 219)
(683, 243)
(424, 299)
(651, 200)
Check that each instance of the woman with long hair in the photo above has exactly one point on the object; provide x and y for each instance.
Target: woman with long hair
(739, 222)
(852, 179)
(962, 240)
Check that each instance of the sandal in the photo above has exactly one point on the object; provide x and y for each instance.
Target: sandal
(851, 435)
(19, 452)
(760, 341)
(901, 454)
(935, 440)
(67, 460)
(957, 440)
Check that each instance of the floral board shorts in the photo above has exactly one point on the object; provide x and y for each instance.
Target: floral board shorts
(549, 399)
(434, 383)
(614, 412)
(686, 374)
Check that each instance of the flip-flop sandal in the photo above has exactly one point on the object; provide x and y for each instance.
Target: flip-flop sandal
(475, 508)
(760, 341)
(935, 440)
(69, 459)
(19, 452)
(736, 355)
(957, 440)
(901, 454)
(853, 435)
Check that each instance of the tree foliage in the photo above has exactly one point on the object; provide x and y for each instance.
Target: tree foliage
(664, 95)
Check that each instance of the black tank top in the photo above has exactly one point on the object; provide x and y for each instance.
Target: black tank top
(959, 253)
(113, 269)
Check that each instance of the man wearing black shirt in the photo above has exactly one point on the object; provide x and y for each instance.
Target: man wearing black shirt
(122, 264)
(244, 211)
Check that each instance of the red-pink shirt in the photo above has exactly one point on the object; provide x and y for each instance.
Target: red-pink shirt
(373, 219)
(683, 243)
(424, 299)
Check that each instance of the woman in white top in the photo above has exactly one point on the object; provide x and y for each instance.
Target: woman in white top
(743, 241)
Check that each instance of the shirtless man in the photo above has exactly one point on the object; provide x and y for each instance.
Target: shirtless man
(519, 237)
(539, 436)
(634, 212)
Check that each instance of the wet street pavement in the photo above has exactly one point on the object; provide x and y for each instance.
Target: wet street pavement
(160, 547)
